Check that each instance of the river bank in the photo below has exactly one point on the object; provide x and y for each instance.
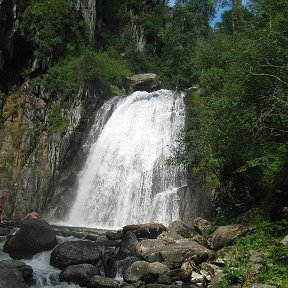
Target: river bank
(205, 255)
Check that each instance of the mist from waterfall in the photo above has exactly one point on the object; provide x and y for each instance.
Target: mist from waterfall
(126, 178)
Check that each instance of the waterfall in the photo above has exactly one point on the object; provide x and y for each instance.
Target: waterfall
(126, 178)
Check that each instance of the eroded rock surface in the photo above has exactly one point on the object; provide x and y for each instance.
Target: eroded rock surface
(75, 252)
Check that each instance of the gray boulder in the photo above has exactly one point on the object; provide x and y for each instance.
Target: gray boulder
(118, 235)
(170, 237)
(34, 236)
(11, 279)
(129, 246)
(142, 82)
(144, 271)
(102, 282)
(201, 224)
(150, 230)
(150, 244)
(174, 255)
(13, 273)
(4, 231)
(224, 235)
(80, 274)
(25, 270)
(182, 229)
(75, 252)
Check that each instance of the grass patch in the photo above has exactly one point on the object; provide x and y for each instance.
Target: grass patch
(258, 257)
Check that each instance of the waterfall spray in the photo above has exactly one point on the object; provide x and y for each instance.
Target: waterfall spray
(126, 178)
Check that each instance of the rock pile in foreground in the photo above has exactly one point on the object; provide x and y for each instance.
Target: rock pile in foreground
(146, 255)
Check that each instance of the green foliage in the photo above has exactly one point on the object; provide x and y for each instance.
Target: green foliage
(57, 123)
(53, 27)
(65, 78)
(271, 268)
(239, 133)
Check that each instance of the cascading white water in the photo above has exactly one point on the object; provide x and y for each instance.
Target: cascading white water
(126, 178)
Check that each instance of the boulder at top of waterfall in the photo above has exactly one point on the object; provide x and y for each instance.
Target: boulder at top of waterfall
(181, 228)
(75, 252)
(142, 82)
(80, 274)
(13, 273)
(147, 272)
(150, 230)
(174, 255)
(224, 235)
(34, 236)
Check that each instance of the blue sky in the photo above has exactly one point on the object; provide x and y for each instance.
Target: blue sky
(213, 21)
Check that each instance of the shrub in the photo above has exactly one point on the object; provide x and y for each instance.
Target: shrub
(57, 122)
(65, 78)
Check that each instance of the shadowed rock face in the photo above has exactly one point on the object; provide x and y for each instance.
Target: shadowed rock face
(34, 236)
(142, 82)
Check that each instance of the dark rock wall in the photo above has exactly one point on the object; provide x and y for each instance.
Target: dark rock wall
(33, 160)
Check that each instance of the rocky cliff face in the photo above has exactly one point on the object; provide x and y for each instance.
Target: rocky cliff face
(34, 156)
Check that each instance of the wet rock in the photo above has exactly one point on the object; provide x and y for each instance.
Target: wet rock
(4, 231)
(109, 263)
(75, 252)
(80, 274)
(25, 270)
(34, 236)
(224, 235)
(124, 264)
(142, 82)
(201, 225)
(147, 272)
(102, 282)
(12, 278)
(151, 231)
(129, 246)
(182, 229)
(174, 255)
(118, 235)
